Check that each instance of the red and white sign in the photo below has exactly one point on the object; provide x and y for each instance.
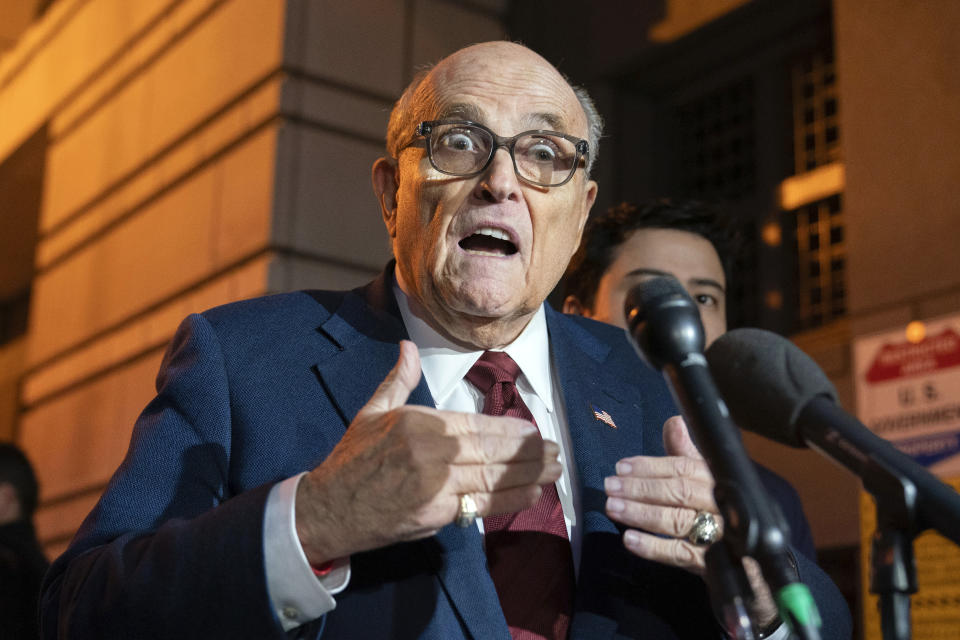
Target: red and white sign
(908, 391)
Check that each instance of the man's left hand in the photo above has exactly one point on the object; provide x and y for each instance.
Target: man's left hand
(661, 496)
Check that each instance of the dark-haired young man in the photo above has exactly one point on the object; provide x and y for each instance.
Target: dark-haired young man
(630, 244)
(694, 243)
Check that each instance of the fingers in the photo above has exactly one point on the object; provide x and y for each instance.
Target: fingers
(505, 487)
(668, 492)
(399, 470)
(484, 448)
(675, 522)
(468, 423)
(396, 387)
(489, 478)
(676, 439)
(512, 500)
(665, 467)
(505, 501)
(460, 438)
(662, 496)
(763, 609)
(678, 553)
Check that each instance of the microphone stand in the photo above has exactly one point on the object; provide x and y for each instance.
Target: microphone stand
(668, 334)
(753, 526)
(893, 572)
(909, 499)
(730, 589)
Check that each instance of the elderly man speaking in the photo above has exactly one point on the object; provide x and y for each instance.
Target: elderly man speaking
(423, 457)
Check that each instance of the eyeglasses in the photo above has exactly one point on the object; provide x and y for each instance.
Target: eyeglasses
(463, 148)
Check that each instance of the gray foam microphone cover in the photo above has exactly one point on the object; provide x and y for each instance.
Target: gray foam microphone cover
(766, 382)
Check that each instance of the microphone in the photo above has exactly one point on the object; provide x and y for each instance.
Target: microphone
(777, 391)
(664, 323)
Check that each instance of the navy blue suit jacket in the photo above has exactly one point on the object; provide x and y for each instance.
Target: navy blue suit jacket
(254, 392)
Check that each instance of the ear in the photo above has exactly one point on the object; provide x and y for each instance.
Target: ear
(572, 305)
(589, 197)
(385, 182)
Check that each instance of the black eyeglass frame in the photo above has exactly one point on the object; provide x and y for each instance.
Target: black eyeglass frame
(581, 147)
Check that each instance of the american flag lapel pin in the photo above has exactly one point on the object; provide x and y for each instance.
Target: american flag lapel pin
(603, 416)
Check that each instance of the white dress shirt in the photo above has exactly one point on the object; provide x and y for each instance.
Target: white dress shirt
(444, 365)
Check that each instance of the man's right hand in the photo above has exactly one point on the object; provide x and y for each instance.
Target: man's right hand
(399, 471)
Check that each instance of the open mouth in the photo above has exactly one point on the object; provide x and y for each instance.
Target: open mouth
(488, 241)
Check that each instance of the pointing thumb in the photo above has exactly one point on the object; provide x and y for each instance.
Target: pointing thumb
(402, 379)
(676, 439)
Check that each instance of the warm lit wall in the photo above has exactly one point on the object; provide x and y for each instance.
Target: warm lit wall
(897, 68)
(15, 16)
(200, 151)
(157, 202)
(11, 364)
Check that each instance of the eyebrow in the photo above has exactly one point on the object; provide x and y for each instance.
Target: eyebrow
(551, 120)
(462, 110)
(703, 282)
(474, 113)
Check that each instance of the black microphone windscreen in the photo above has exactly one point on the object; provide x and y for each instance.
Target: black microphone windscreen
(648, 294)
(663, 321)
(656, 288)
(766, 382)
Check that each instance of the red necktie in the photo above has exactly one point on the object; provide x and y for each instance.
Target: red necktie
(528, 552)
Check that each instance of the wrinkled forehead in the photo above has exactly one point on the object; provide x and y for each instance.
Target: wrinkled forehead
(513, 88)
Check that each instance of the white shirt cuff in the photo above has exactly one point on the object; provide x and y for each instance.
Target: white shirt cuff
(782, 633)
(296, 593)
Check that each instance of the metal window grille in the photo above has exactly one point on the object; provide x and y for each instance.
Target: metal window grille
(819, 225)
(816, 121)
(716, 143)
(821, 262)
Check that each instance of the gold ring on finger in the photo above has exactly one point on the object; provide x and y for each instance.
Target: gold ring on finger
(466, 512)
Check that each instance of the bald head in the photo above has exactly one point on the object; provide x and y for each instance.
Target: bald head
(477, 253)
(494, 64)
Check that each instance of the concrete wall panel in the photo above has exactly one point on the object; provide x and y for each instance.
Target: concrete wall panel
(900, 90)
(12, 356)
(78, 440)
(211, 220)
(238, 45)
(203, 147)
(332, 211)
(330, 107)
(359, 43)
(293, 272)
(56, 523)
(147, 332)
(59, 54)
(440, 28)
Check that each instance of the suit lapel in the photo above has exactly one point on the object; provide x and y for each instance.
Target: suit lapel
(363, 336)
(588, 386)
(362, 347)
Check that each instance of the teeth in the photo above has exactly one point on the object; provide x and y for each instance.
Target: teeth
(499, 234)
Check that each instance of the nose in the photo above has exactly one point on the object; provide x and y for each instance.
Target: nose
(499, 182)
